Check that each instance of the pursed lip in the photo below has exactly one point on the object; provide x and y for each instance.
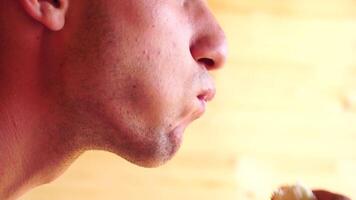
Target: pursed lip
(203, 98)
(199, 109)
(202, 101)
(207, 94)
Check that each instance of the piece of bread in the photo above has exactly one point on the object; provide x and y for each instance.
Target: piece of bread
(293, 192)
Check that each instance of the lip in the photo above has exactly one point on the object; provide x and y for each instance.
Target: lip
(207, 94)
(201, 109)
(177, 133)
(197, 113)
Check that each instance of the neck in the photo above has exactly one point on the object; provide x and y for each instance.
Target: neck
(36, 138)
(36, 142)
(33, 149)
(35, 145)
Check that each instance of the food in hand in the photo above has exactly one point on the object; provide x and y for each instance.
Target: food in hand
(293, 192)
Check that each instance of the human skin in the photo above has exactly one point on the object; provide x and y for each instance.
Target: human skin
(117, 75)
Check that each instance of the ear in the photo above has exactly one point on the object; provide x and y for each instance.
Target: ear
(50, 13)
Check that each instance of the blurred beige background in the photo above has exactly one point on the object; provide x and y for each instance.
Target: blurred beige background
(285, 111)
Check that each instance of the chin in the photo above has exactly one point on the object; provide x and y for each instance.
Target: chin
(150, 161)
(150, 155)
(152, 150)
(161, 151)
(159, 158)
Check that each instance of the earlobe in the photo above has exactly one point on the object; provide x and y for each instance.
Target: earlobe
(50, 13)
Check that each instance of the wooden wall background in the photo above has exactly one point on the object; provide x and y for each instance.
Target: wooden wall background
(284, 112)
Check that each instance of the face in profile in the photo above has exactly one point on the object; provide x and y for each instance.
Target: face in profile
(135, 74)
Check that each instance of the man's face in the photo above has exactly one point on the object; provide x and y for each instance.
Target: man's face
(135, 73)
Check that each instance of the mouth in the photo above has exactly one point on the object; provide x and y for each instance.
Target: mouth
(207, 94)
(201, 103)
(204, 97)
(197, 113)
(201, 107)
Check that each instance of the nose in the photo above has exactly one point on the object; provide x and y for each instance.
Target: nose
(208, 45)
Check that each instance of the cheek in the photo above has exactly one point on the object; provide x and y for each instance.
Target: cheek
(151, 81)
(159, 82)
(153, 97)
